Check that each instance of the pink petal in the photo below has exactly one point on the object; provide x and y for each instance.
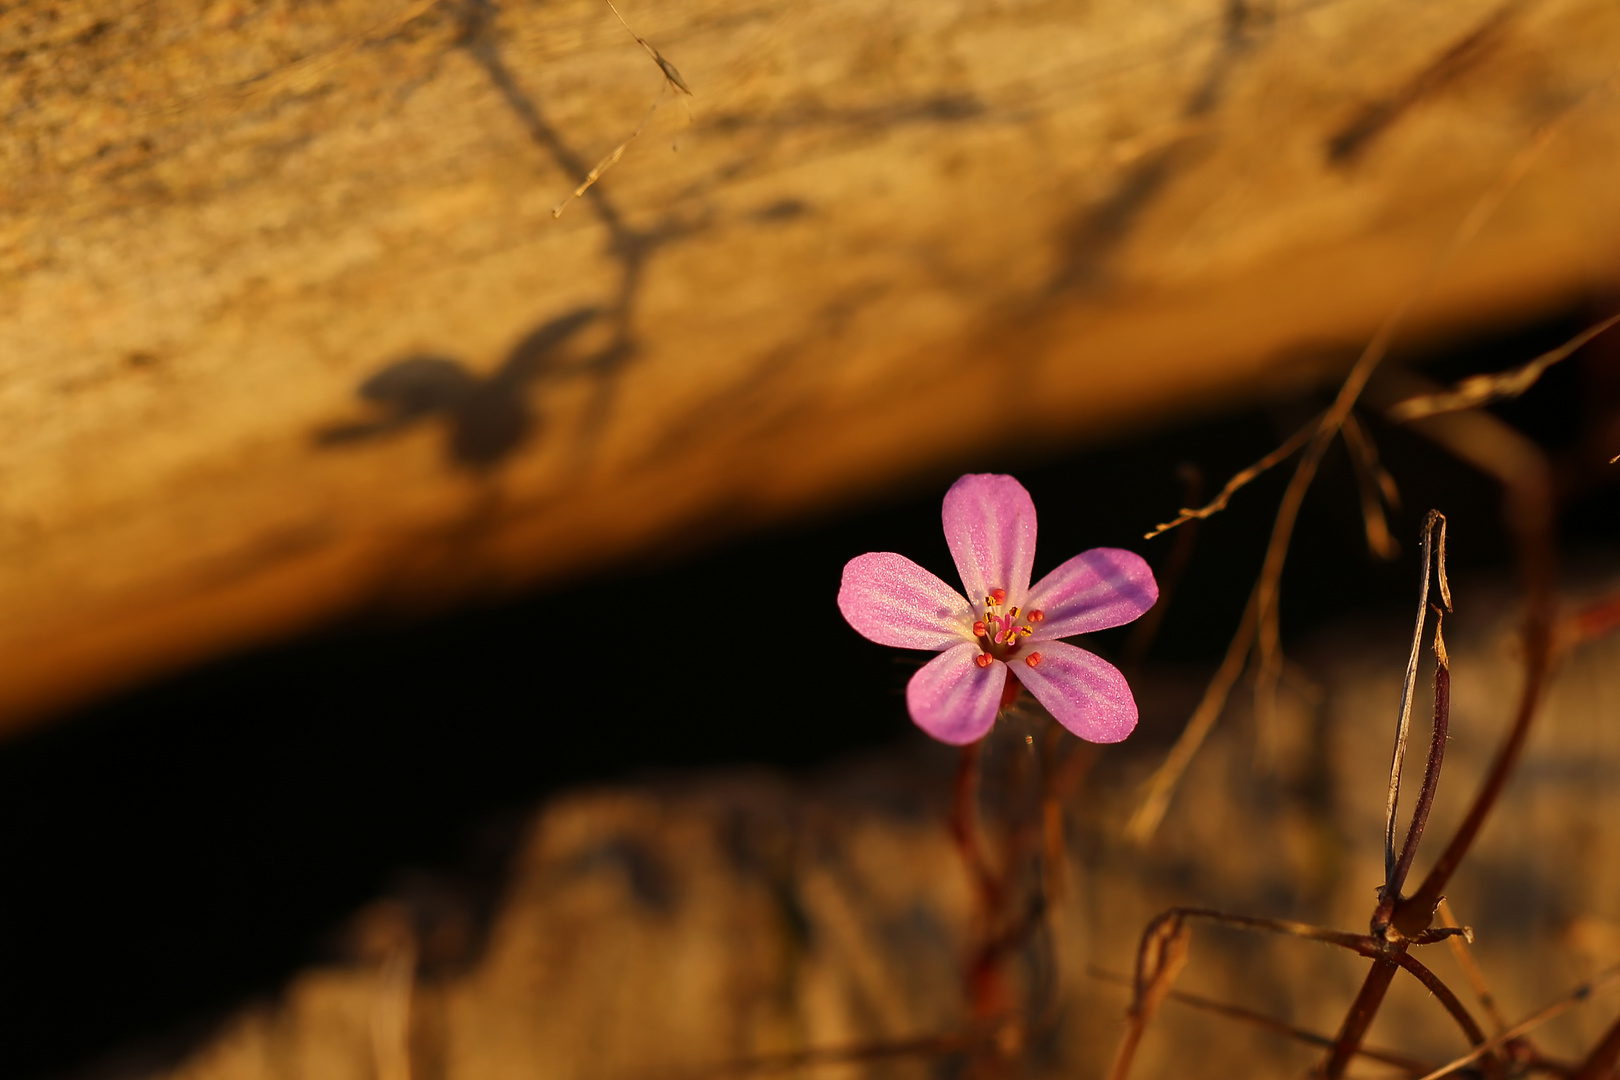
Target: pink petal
(990, 526)
(954, 699)
(1094, 590)
(1084, 692)
(893, 601)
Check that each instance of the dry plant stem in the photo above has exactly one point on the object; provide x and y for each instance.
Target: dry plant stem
(1530, 517)
(1270, 1023)
(1059, 785)
(1444, 994)
(1465, 960)
(1164, 949)
(1268, 628)
(1483, 389)
(1496, 450)
(1374, 486)
(1600, 1064)
(1363, 1009)
(1147, 818)
(1159, 959)
(1606, 981)
(1433, 523)
(1169, 576)
(610, 160)
(1162, 785)
(1240, 480)
(671, 76)
(965, 829)
(1431, 778)
(986, 987)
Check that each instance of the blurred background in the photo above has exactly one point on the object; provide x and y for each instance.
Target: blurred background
(388, 554)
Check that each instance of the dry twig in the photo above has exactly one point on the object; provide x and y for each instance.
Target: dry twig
(1411, 1066)
(1434, 557)
(1375, 487)
(672, 81)
(1607, 981)
(1238, 481)
(1265, 613)
(1477, 390)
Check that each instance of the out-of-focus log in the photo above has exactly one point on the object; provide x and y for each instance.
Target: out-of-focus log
(674, 931)
(288, 328)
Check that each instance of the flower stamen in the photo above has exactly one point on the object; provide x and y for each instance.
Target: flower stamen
(1033, 659)
(1001, 635)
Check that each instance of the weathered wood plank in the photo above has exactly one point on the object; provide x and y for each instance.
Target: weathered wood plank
(287, 327)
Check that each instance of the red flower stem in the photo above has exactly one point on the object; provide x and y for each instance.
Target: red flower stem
(1360, 1017)
(988, 994)
(965, 831)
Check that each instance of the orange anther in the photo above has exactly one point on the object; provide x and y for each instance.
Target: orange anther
(1033, 659)
(1036, 616)
(998, 595)
(984, 659)
(979, 629)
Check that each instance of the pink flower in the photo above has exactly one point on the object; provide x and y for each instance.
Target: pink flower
(990, 526)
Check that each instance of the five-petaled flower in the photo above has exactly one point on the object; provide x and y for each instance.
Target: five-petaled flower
(990, 527)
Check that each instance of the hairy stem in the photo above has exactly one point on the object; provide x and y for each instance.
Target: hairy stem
(1360, 1017)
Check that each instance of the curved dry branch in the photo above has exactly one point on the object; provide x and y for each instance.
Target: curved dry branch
(1480, 390)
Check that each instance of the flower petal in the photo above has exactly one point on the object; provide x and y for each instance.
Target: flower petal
(1094, 590)
(1084, 692)
(893, 601)
(990, 526)
(954, 699)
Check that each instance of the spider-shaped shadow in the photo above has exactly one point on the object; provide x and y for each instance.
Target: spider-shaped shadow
(489, 416)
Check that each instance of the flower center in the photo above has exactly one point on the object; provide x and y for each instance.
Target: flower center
(999, 634)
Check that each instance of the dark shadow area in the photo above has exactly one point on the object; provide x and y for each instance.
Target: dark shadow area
(488, 417)
(1462, 57)
(173, 853)
(1099, 230)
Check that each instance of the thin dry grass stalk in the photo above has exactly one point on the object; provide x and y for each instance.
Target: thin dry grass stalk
(1434, 555)
(672, 81)
(1264, 608)
(1163, 953)
(1161, 786)
(1606, 981)
(1375, 487)
(1411, 1066)
(1465, 960)
(1237, 482)
(1480, 390)
(1159, 960)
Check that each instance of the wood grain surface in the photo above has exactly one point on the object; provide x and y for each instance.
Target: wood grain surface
(289, 330)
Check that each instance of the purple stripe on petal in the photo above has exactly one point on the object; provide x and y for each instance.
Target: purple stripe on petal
(954, 699)
(1084, 692)
(893, 601)
(990, 526)
(1094, 590)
